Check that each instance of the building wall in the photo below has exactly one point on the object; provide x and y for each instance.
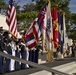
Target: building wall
(3, 22)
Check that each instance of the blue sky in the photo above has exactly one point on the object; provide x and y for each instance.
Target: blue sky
(22, 2)
(72, 4)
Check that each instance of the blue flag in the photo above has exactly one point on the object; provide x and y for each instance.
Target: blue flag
(61, 31)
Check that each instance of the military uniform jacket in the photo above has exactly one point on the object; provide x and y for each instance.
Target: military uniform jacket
(7, 47)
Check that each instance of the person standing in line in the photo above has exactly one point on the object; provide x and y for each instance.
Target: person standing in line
(27, 56)
(73, 50)
(23, 54)
(68, 49)
(13, 47)
(36, 55)
(32, 54)
(17, 64)
(1, 49)
(7, 50)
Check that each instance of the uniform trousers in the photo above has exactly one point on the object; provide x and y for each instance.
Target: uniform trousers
(17, 64)
(1, 64)
(36, 56)
(23, 54)
(33, 55)
(12, 62)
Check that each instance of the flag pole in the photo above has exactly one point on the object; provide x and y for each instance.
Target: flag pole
(62, 54)
(43, 41)
(64, 32)
(50, 48)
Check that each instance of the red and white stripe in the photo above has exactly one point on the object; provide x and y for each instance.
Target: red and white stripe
(12, 21)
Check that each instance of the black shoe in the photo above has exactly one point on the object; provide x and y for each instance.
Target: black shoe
(7, 71)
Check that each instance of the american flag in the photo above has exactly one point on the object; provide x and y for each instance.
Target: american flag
(11, 19)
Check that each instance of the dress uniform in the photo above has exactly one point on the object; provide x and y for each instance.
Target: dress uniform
(12, 63)
(36, 55)
(27, 56)
(23, 55)
(1, 49)
(33, 54)
(7, 50)
(17, 64)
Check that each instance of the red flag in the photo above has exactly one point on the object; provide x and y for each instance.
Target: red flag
(55, 26)
(11, 19)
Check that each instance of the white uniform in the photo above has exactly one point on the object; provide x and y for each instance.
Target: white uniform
(12, 63)
(27, 56)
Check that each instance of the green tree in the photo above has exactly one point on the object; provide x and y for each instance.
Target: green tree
(29, 7)
(17, 6)
(73, 18)
(40, 4)
(26, 16)
(25, 19)
(3, 5)
(63, 6)
(72, 31)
